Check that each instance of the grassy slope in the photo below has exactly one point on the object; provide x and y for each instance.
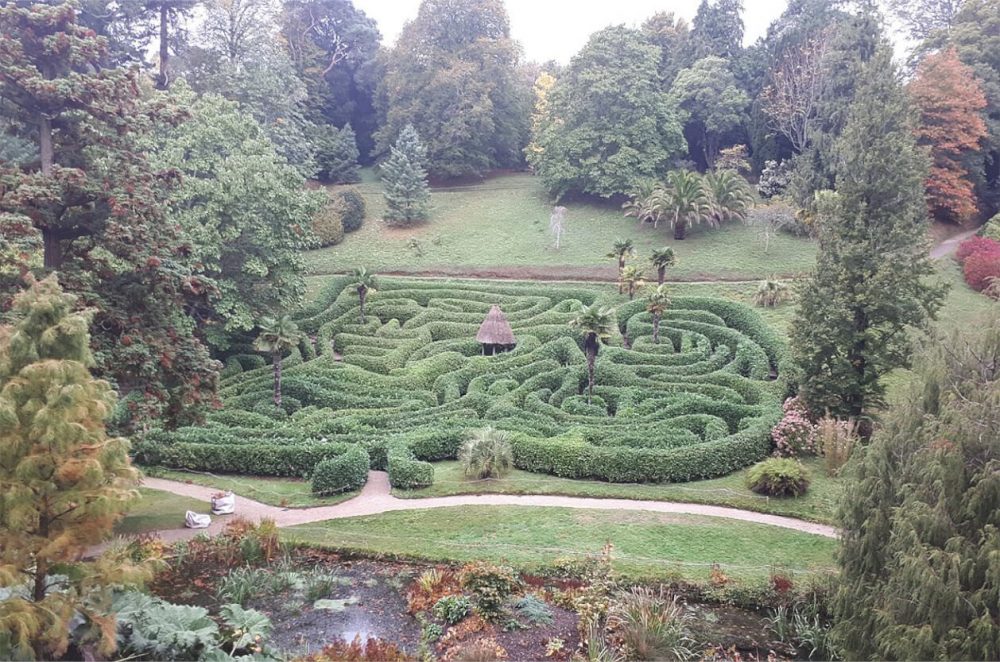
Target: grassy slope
(285, 492)
(503, 222)
(648, 545)
(158, 510)
(817, 505)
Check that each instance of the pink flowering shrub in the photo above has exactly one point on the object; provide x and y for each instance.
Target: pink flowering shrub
(795, 434)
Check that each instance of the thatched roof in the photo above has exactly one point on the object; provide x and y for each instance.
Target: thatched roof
(495, 329)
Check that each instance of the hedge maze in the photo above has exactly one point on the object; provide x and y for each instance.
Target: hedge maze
(406, 387)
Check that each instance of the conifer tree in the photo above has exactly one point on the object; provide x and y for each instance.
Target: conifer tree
(920, 515)
(868, 287)
(65, 483)
(404, 178)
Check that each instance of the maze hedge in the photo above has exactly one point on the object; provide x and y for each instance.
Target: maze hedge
(409, 385)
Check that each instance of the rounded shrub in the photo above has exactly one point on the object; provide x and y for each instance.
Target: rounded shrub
(351, 205)
(778, 477)
(490, 584)
(452, 608)
(341, 474)
(328, 225)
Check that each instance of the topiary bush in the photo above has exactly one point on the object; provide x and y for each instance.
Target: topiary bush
(328, 225)
(778, 477)
(342, 473)
(351, 205)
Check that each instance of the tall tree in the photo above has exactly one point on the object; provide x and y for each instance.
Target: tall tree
(718, 29)
(950, 103)
(672, 35)
(596, 325)
(407, 194)
(98, 207)
(713, 103)
(796, 85)
(869, 285)
(65, 482)
(596, 139)
(277, 336)
(171, 15)
(925, 18)
(452, 75)
(244, 208)
(920, 515)
(238, 29)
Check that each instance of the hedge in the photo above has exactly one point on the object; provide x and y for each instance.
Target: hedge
(342, 473)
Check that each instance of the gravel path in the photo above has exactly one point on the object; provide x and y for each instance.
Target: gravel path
(949, 246)
(376, 498)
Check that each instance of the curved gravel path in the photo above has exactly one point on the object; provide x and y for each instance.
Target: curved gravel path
(376, 498)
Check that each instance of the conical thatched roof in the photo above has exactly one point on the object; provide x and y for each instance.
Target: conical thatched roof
(495, 329)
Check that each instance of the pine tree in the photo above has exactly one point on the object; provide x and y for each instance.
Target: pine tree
(868, 287)
(65, 483)
(951, 102)
(920, 515)
(405, 180)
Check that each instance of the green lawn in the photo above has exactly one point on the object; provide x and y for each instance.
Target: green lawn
(502, 224)
(647, 545)
(158, 510)
(817, 505)
(285, 492)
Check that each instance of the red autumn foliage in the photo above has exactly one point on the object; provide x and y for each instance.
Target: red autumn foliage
(951, 102)
(981, 269)
(372, 650)
(974, 245)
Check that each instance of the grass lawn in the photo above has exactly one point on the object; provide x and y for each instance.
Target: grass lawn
(158, 510)
(817, 505)
(502, 225)
(646, 545)
(284, 492)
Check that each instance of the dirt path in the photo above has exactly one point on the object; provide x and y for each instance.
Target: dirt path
(949, 246)
(376, 498)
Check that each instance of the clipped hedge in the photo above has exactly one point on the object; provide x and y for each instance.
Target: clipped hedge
(343, 473)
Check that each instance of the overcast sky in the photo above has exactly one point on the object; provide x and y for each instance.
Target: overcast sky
(557, 29)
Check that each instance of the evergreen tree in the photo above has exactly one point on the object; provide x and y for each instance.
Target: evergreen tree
(713, 105)
(718, 29)
(920, 515)
(869, 286)
(404, 179)
(65, 482)
(337, 154)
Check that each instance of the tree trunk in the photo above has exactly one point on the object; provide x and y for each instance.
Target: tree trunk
(631, 291)
(621, 266)
(45, 145)
(661, 272)
(656, 329)
(591, 358)
(362, 293)
(163, 80)
(680, 227)
(52, 250)
(276, 359)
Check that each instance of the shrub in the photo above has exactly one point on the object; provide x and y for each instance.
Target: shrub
(490, 584)
(774, 178)
(794, 434)
(452, 608)
(835, 440)
(652, 625)
(533, 610)
(982, 268)
(352, 208)
(341, 474)
(336, 154)
(992, 229)
(974, 245)
(487, 454)
(328, 225)
(770, 293)
(778, 477)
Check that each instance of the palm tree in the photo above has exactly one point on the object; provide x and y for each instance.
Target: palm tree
(596, 325)
(621, 250)
(729, 196)
(631, 276)
(364, 283)
(657, 303)
(277, 336)
(661, 259)
(682, 200)
(487, 454)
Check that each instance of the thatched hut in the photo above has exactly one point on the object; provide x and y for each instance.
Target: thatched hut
(495, 333)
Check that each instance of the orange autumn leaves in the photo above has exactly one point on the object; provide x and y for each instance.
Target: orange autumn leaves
(950, 102)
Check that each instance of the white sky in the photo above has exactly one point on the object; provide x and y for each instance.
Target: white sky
(557, 29)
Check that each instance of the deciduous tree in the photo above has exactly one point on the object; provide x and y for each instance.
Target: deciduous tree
(65, 482)
(950, 102)
(713, 104)
(869, 286)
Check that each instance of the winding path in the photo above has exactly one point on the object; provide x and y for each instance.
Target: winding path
(376, 498)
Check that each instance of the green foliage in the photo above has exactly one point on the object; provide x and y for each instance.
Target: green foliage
(779, 477)
(353, 210)
(491, 585)
(487, 454)
(919, 512)
(407, 194)
(328, 225)
(682, 201)
(457, 54)
(729, 196)
(652, 624)
(991, 230)
(712, 102)
(150, 626)
(854, 312)
(533, 610)
(341, 474)
(452, 608)
(770, 293)
(611, 89)
(336, 154)
(65, 482)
